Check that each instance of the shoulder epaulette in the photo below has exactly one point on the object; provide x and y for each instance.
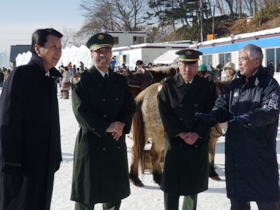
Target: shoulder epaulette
(169, 78)
(77, 77)
(119, 74)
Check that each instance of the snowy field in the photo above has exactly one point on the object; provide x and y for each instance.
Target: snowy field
(145, 198)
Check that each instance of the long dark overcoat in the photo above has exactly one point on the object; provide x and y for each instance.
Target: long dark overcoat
(185, 167)
(251, 160)
(30, 136)
(100, 171)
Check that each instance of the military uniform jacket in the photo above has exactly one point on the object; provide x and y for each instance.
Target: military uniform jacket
(186, 166)
(100, 171)
(30, 136)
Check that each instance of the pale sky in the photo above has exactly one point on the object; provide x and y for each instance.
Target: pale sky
(20, 18)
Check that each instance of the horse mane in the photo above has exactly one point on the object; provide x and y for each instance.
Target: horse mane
(221, 86)
(163, 69)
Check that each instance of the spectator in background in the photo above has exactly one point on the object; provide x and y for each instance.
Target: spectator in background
(65, 83)
(82, 66)
(123, 66)
(229, 68)
(113, 63)
(270, 68)
(73, 70)
(6, 74)
(127, 72)
(278, 67)
(218, 70)
(1, 78)
(204, 71)
(69, 65)
(139, 69)
(30, 151)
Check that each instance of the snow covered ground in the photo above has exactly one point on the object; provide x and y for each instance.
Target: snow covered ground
(145, 198)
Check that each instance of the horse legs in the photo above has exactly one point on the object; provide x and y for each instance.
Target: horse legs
(214, 135)
(133, 174)
(155, 157)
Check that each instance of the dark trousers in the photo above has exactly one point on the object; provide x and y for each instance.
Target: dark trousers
(171, 202)
(106, 206)
(245, 205)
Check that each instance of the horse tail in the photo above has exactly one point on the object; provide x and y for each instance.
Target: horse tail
(138, 134)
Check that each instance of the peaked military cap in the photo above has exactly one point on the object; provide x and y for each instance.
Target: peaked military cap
(188, 56)
(100, 40)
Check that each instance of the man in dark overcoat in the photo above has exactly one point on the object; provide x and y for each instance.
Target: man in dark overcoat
(186, 137)
(251, 105)
(30, 151)
(103, 106)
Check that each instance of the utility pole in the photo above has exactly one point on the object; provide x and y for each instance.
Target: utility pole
(201, 21)
(254, 7)
(239, 6)
(213, 21)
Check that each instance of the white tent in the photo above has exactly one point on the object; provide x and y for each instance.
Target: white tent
(73, 54)
(169, 57)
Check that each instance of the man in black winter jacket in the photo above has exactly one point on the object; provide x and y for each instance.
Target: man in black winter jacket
(251, 105)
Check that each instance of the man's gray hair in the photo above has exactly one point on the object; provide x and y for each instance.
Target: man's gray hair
(253, 51)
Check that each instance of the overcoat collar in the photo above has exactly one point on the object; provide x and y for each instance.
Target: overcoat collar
(99, 80)
(187, 92)
(37, 61)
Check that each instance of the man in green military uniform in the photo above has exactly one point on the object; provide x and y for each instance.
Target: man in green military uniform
(186, 137)
(103, 106)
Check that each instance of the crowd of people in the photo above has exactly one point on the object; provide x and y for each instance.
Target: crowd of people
(68, 72)
(30, 151)
(4, 73)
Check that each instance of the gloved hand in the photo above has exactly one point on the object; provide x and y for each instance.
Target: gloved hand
(209, 118)
(11, 169)
(206, 117)
(244, 118)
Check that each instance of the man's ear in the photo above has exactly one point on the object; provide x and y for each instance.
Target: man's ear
(37, 49)
(257, 62)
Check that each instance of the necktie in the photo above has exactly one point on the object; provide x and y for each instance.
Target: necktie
(106, 76)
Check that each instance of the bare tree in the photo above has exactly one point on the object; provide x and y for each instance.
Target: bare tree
(220, 6)
(111, 15)
(69, 37)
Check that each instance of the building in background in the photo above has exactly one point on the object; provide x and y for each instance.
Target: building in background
(125, 38)
(17, 49)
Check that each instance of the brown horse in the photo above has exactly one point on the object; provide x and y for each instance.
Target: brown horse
(138, 82)
(146, 123)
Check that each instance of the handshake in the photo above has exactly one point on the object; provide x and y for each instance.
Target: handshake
(212, 120)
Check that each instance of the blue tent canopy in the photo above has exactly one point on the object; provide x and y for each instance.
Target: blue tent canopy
(262, 43)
